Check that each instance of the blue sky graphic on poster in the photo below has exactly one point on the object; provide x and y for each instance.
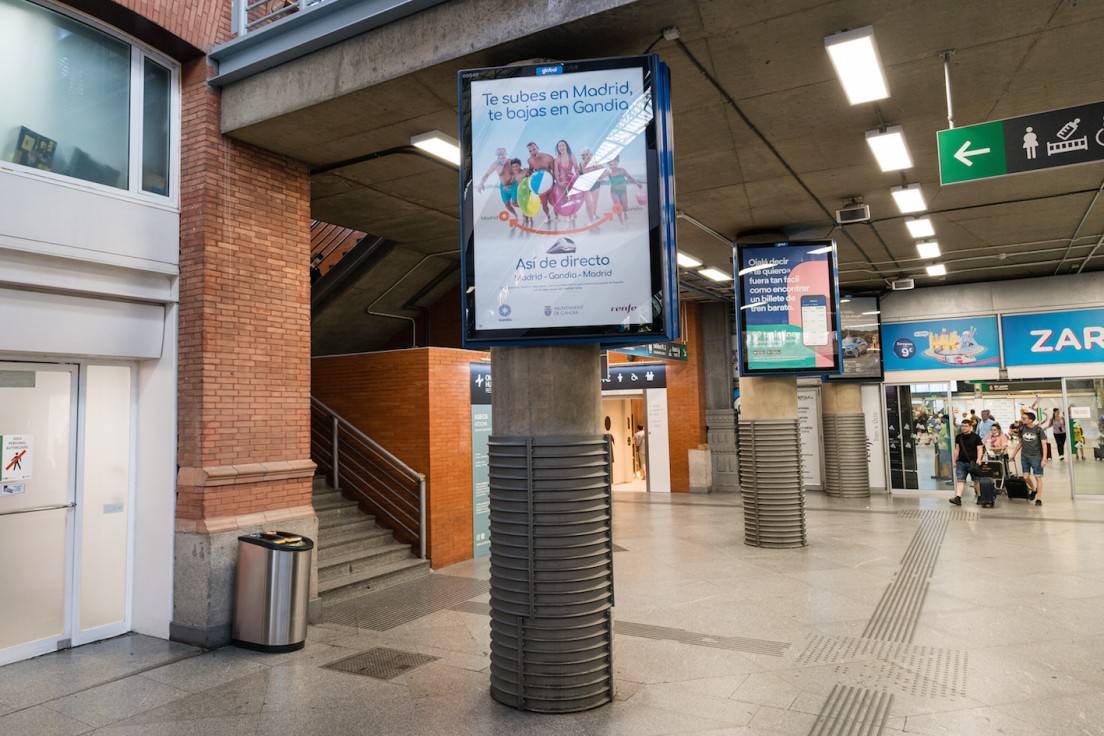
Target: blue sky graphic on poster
(944, 343)
(562, 231)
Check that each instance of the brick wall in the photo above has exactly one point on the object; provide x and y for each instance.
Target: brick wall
(244, 350)
(415, 403)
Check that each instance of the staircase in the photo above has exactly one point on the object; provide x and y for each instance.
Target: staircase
(354, 555)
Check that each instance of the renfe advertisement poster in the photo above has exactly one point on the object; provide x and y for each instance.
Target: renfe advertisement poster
(860, 338)
(788, 308)
(563, 170)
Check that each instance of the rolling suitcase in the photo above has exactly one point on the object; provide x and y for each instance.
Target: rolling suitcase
(990, 480)
(1016, 487)
(1098, 453)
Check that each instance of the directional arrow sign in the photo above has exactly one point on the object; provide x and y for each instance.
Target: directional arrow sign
(1045, 140)
(974, 152)
(965, 153)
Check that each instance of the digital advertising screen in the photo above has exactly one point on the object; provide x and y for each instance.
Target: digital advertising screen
(788, 308)
(860, 339)
(567, 202)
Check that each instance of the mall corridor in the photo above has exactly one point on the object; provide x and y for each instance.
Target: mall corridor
(901, 616)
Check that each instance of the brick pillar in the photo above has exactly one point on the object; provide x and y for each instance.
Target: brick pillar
(244, 384)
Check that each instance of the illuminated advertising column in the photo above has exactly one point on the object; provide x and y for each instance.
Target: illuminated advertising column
(566, 203)
(788, 309)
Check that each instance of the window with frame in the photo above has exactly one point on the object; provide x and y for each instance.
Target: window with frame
(82, 103)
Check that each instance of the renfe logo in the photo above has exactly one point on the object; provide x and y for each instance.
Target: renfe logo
(546, 70)
(1067, 339)
(627, 308)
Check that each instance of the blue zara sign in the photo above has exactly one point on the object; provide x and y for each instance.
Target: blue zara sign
(1054, 338)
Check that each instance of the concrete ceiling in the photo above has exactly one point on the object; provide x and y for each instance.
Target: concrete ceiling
(803, 154)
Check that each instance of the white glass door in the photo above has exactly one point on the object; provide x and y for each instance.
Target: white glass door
(37, 501)
(66, 435)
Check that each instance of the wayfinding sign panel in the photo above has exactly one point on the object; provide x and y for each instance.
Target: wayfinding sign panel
(1045, 140)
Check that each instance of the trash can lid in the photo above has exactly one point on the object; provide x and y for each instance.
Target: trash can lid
(279, 540)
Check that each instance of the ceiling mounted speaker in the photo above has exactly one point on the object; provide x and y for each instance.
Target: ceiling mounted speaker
(856, 213)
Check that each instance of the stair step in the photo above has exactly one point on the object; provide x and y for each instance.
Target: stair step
(333, 500)
(350, 586)
(351, 563)
(339, 516)
(320, 484)
(333, 545)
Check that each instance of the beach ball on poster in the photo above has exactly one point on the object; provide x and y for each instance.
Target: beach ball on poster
(540, 182)
(528, 201)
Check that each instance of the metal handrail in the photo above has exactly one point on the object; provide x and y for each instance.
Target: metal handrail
(246, 19)
(357, 463)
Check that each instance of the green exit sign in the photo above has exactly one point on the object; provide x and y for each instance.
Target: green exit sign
(973, 152)
(1045, 140)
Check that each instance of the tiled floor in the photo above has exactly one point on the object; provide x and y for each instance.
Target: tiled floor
(1008, 640)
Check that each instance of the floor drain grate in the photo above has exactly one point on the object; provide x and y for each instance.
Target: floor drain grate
(381, 663)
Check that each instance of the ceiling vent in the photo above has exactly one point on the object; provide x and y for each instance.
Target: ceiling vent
(902, 284)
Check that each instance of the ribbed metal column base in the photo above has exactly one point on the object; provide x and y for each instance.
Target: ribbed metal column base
(551, 573)
(771, 484)
(846, 473)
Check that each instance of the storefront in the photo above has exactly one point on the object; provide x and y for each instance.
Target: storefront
(940, 371)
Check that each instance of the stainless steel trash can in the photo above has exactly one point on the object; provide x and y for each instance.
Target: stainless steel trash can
(273, 586)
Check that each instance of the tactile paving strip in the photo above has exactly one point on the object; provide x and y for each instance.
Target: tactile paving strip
(949, 514)
(853, 711)
(381, 663)
(910, 669)
(400, 604)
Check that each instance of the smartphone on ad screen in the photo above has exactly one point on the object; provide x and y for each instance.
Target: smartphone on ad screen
(814, 320)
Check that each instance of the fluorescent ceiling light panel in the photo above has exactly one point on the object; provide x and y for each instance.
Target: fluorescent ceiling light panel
(716, 274)
(920, 227)
(844, 301)
(858, 66)
(909, 199)
(889, 148)
(438, 144)
(928, 248)
(937, 270)
(688, 261)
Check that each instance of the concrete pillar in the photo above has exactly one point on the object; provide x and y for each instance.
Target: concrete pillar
(846, 473)
(551, 534)
(770, 463)
(546, 390)
(720, 417)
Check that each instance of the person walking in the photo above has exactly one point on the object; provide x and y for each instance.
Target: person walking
(640, 442)
(968, 449)
(1057, 427)
(1035, 451)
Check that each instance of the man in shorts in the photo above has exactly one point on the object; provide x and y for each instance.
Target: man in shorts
(1035, 451)
(968, 449)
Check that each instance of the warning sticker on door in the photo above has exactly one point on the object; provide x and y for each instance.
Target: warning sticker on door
(15, 457)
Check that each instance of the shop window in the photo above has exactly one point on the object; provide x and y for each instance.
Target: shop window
(70, 98)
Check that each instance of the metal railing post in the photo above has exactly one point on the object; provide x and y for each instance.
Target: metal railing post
(421, 518)
(336, 482)
(239, 17)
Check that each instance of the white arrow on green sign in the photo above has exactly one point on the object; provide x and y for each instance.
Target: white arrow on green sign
(973, 152)
(1045, 140)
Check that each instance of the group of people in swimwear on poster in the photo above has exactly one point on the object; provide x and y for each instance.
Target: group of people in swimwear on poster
(551, 181)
